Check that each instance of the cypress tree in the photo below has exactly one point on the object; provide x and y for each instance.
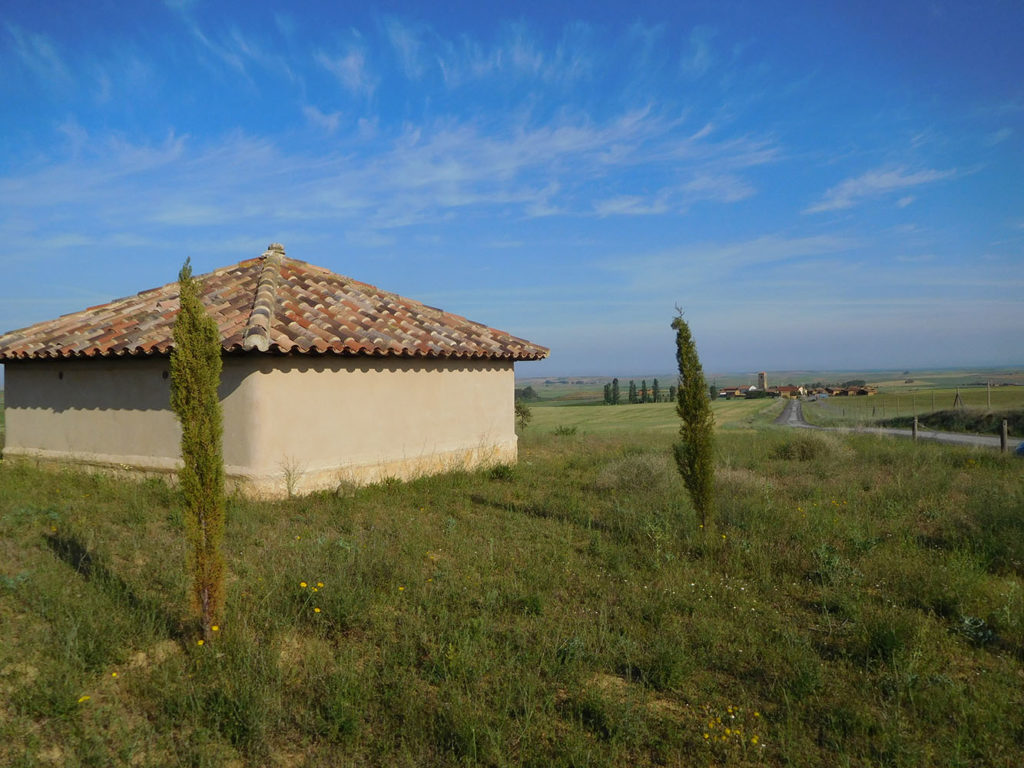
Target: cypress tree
(632, 392)
(607, 394)
(643, 390)
(694, 452)
(195, 377)
(655, 392)
(615, 391)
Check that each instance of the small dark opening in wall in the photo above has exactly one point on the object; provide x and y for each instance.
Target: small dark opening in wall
(60, 374)
(164, 374)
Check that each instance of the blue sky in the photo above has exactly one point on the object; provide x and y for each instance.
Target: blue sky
(817, 185)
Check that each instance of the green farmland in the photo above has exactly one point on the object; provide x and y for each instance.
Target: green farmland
(650, 418)
(857, 601)
(977, 410)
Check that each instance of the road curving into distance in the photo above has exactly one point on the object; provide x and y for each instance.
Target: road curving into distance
(793, 416)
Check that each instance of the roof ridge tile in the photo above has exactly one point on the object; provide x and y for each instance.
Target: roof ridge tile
(261, 318)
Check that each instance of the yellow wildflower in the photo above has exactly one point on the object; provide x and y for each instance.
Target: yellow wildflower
(302, 584)
(199, 642)
(84, 698)
(215, 628)
(316, 610)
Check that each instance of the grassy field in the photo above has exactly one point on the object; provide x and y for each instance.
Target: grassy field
(889, 407)
(859, 602)
(651, 418)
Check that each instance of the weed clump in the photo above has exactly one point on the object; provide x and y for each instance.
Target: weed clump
(806, 447)
(639, 473)
(502, 472)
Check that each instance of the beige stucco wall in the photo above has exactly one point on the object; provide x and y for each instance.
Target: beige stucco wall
(320, 422)
(289, 423)
(113, 412)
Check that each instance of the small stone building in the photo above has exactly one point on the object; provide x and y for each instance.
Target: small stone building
(326, 381)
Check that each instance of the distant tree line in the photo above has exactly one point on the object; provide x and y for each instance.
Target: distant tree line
(638, 395)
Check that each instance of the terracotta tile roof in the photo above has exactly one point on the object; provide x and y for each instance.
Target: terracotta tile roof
(271, 304)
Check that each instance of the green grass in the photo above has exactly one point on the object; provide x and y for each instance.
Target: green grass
(934, 408)
(648, 419)
(965, 420)
(859, 602)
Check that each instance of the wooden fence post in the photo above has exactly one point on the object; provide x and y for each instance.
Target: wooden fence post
(1004, 436)
(915, 429)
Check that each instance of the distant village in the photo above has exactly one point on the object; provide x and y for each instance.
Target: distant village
(639, 392)
(820, 391)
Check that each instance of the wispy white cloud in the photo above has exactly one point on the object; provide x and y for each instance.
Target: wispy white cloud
(406, 41)
(38, 54)
(766, 249)
(631, 205)
(232, 47)
(705, 186)
(286, 24)
(518, 54)
(699, 56)
(648, 35)
(875, 183)
(228, 52)
(379, 179)
(699, 271)
(998, 137)
(723, 188)
(327, 122)
(350, 68)
(903, 202)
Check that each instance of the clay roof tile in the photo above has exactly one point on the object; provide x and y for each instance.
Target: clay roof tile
(271, 304)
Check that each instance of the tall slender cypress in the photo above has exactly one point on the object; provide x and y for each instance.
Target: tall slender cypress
(195, 378)
(615, 391)
(694, 452)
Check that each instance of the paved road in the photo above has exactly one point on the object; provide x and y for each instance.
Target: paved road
(793, 416)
